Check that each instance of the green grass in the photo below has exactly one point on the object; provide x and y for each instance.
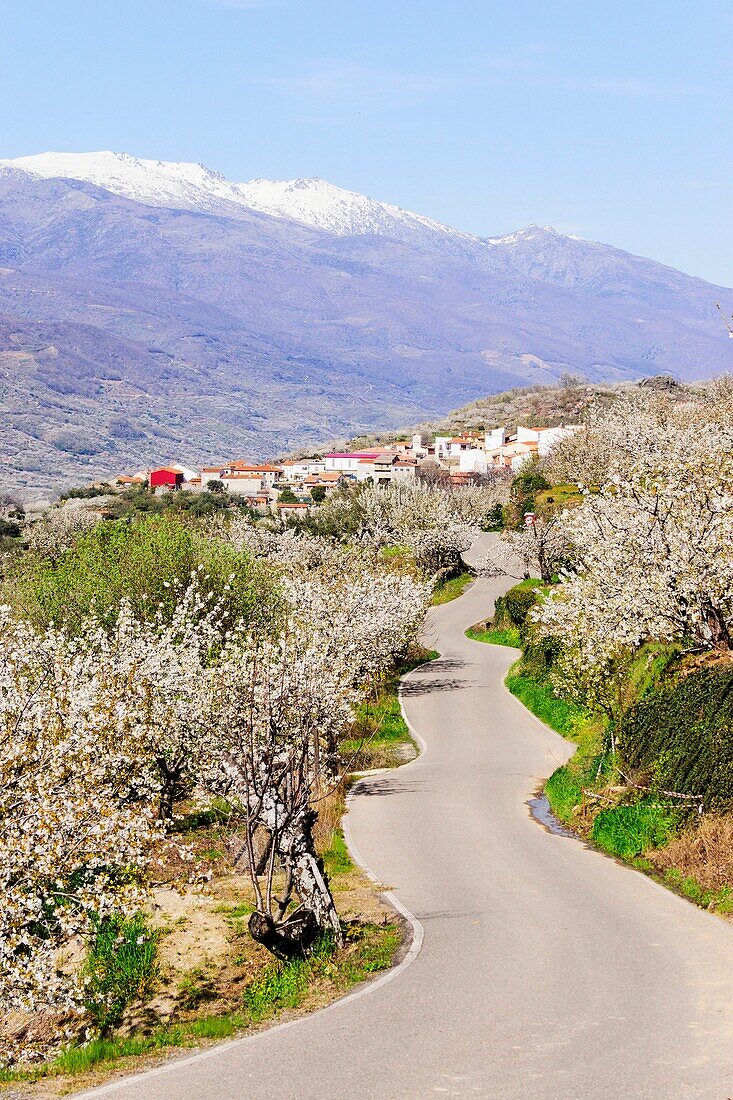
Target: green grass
(540, 697)
(508, 636)
(336, 859)
(121, 968)
(627, 831)
(380, 726)
(281, 987)
(451, 589)
(719, 901)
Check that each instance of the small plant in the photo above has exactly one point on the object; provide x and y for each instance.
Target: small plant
(121, 968)
(627, 831)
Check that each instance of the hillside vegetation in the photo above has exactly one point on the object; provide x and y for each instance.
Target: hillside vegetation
(183, 698)
(628, 640)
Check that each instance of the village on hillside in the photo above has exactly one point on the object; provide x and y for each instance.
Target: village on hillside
(298, 484)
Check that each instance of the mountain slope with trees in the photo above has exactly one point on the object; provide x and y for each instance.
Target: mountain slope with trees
(132, 333)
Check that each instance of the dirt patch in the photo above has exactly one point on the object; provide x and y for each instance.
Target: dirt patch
(703, 853)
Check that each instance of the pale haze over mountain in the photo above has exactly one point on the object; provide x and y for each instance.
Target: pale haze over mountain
(152, 310)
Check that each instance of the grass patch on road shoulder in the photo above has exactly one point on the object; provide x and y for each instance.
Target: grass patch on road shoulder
(508, 636)
(540, 698)
(282, 989)
(380, 737)
(451, 589)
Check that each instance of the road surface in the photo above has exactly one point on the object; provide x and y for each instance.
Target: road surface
(546, 970)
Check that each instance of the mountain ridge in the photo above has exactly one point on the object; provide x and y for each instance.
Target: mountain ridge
(248, 333)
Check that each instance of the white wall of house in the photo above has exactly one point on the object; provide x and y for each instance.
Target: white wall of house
(474, 461)
(495, 438)
(344, 462)
(243, 486)
(549, 436)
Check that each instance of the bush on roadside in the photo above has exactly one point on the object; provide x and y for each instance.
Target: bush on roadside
(681, 736)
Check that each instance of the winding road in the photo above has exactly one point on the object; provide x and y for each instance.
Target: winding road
(546, 970)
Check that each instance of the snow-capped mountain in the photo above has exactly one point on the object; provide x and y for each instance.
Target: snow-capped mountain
(280, 314)
(344, 213)
(196, 187)
(152, 182)
(537, 252)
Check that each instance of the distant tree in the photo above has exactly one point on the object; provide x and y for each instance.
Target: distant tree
(214, 485)
(9, 529)
(318, 493)
(287, 496)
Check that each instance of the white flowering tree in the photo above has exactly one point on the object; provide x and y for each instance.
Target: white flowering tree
(541, 546)
(280, 705)
(77, 794)
(59, 529)
(653, 561)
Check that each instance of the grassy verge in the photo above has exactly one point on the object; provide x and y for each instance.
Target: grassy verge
(272, 990)
(540, 697)
(508, 636)
(288, 988)
(648, 832)
(380, 737)
(451, 589)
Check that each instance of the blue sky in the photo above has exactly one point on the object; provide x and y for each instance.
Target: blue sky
(606, 118)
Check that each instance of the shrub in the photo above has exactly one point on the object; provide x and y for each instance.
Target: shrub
(682, 737)
(516, 604)
(146, 560)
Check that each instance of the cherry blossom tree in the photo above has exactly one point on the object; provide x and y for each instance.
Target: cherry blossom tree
(77, 794)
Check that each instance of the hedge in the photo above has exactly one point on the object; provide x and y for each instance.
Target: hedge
(682, 737)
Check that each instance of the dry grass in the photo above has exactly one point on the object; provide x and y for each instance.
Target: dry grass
(703, 853)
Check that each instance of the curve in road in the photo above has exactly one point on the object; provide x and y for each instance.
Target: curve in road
(547, 970)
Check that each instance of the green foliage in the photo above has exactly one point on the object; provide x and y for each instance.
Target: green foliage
(336, 858)
(540, 697)
(682, 736)
(84, 492)
(509, 636)
(518, 602)
(513, 607)
(451, 589)
(380, 728)
(564, 790)
(370, 949)
(494, 519)
(718, 901)
(287, 496)
(140, 499)
(9, 529)
(147, 561)
(526, 485)
(120, 969)
(318, 493)
(627, 831)
(285, 985)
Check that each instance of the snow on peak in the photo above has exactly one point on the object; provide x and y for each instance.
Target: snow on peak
(194, 186)
(312, 201)
(338, 211)
(154, 182)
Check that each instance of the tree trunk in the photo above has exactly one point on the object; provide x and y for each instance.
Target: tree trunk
(719, 634)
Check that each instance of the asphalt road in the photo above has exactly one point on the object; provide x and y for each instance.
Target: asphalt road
(546, 969)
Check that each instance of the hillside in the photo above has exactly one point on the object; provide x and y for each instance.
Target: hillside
(154, 311)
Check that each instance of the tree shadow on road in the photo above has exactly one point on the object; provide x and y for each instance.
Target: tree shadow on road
(388, 785)
(435, 678)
